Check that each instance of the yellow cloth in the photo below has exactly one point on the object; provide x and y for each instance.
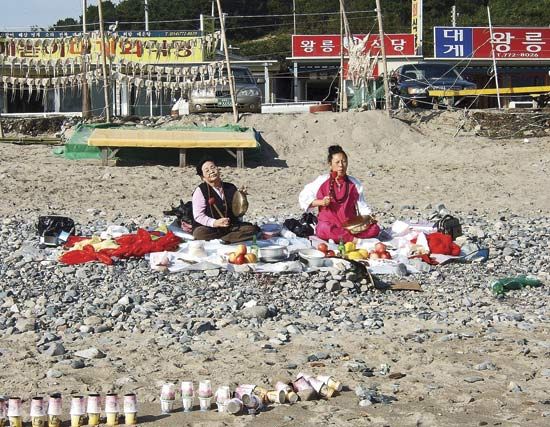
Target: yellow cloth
(97, 243)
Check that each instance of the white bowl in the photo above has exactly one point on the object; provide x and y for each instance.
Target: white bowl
(312, 257)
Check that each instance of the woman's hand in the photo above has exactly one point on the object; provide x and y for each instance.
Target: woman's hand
(325, 201)
(221, 223)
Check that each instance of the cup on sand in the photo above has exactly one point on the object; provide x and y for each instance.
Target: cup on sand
(167, 398)
(187, 389)
(291, 396)
(234, 406)
(205, 388)
(94, 409)
(223, 395)
(14, 412)
(111, 409)
(331, 382)
(55, 404)
(38, 413)
(77, 411)
(130, 409)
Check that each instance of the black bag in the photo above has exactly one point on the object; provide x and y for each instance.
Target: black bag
(449, 225)
(302, 227)
(54, 229)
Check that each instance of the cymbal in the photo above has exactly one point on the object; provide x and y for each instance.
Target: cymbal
(239, 204)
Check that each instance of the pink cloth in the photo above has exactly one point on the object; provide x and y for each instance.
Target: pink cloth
(334, 215)
(199, 207)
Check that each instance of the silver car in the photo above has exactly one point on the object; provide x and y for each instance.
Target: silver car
(249, 96)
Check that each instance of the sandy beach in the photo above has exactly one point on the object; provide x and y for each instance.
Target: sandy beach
(467, 357)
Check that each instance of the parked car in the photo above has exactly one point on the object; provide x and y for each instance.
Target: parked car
(410, 84)
(249, 96)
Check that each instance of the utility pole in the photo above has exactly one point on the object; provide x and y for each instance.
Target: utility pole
(493, 54)
(104, 63)
(294, 14)
(341, 85)
(453, 15)
(146, 5)
(86, 101)
(384, 61)
(229, 73)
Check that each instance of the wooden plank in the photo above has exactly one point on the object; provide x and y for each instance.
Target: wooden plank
(240, 158)
(491, 91)
(183, 157)
(171, 139)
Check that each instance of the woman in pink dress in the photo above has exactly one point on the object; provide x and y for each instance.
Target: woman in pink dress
(339, 198)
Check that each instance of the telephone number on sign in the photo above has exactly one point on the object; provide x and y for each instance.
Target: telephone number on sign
(518, 55)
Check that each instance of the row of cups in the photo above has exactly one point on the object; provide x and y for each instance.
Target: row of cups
(80, 406)
(249, 396)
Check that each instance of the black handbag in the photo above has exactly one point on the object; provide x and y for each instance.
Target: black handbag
(54, 229)
(449, 225)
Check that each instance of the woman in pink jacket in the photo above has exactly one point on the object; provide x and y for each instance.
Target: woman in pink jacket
(339, 198)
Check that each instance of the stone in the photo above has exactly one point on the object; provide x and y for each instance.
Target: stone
(53, 349)
(473, 379)
(259, 312)
(54, 373)
(90, 353)
(77, 364)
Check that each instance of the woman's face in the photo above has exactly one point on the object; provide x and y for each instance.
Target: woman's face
(210, 172)
(339, 164)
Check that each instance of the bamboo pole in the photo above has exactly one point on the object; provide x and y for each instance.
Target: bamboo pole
(104, 64)
(493, 54)
(86, 107)
(384, 61)
(229, 73)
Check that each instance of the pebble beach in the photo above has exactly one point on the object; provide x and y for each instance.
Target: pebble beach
(453, 354)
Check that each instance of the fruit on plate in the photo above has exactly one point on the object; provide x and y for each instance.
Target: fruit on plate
(241, 250)
(330, 253)
(323, 247)
(240, 259)
(364, 253)
(379, 248)
(350, 247)
(250, 258)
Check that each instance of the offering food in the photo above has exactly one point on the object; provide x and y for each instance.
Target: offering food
(240, 256)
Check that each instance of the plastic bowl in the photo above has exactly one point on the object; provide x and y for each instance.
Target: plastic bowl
(312, 257)
(270, 230)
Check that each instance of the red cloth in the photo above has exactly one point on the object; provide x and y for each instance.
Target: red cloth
(443, 244)
(131, 245)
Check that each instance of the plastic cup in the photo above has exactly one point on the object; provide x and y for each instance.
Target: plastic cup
(205, 403)
(166, 406)
(77, 411)
(205, 388)
(14, 407)
(187, 403)
(130, 409)
(187, 388)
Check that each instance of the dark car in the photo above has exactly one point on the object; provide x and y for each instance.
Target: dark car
(410, 84)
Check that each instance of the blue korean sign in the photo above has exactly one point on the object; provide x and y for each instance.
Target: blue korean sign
(453, 42)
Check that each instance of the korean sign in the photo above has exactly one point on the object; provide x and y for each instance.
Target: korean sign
(310, 46)
(137, 46)
(508, 43)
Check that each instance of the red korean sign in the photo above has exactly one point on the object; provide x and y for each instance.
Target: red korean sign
(508, 43)
(512, 42)
(315, 46)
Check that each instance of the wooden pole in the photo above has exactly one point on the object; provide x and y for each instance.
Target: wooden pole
(342, 89)
(493, 55)
(86, 105)
(104, 64)
(229, 73)
(384, 61)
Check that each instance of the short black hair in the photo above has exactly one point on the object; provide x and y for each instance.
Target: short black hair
(335, 149)
(201, 163)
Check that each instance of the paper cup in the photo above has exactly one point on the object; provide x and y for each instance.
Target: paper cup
(223, 394)
(330, 382)
(304, 376)
(251, 401)
(205, 388)
(94, 404)
(274, 396)
(111, 403)
(187, 403)
(54, 421)
(234, 406)
(243, 389)
(301, 384)
(187, 389)
(77, 405)
(112, 418)
(94, 418)
(168, 391)
(76, 420)
(14, 407)
(130, 403)
(205, 403)
(37, 407)
(16, 421)
(166, 406)
(55, 405)
(130, 418)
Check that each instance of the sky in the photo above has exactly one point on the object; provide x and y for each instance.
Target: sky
(22, 14)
